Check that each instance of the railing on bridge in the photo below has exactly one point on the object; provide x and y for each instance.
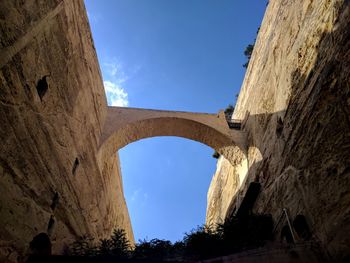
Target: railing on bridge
(234, 124)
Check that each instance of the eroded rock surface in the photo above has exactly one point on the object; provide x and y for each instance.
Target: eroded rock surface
(52, 109)
(295, 107)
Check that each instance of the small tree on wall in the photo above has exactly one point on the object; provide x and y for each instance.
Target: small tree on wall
(229, 111)
(248, 53)
(216, 155)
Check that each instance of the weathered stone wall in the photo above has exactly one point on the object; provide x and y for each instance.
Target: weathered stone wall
(41, 138)
(226, 183)
(295, 107)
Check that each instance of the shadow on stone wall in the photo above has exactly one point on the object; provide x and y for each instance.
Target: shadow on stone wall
(305, 149)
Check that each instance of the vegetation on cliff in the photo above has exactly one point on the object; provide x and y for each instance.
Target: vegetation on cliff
(249, 51)
(235, 235)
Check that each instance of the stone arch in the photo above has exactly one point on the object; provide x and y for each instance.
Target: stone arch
(126, 125)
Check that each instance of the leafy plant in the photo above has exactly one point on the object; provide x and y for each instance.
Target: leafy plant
(105, 247)
(229, 111)
(236, 234)
(118, 245)
(84, 247)
(203, 242)
(156, 249)
(248, 53)
(216, 155)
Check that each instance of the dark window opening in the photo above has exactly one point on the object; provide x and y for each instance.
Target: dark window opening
(42, 87)
(301, 227)
(40, 245)
(55, 200)
(279, 127)
(249, 199)
(75, 166)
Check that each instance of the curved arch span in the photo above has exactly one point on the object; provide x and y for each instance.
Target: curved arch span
(126, 125)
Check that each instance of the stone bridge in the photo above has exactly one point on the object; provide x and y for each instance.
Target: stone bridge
(126, 125)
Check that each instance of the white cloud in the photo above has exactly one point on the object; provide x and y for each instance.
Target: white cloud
(139, 196)
(116, 94)
(134, 195)
(93, 18)
(114, 70)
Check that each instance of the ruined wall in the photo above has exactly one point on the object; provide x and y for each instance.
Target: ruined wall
(295, 107)
(49, 135)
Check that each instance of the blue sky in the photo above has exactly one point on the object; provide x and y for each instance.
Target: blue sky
(176, 55)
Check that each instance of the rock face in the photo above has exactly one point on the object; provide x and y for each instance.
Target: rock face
(225, 184)
(52, 110)
(295, 108)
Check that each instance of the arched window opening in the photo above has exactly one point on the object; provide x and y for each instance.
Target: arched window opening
(279, 127)
(301, 227)
(75, 166)
(42, 87)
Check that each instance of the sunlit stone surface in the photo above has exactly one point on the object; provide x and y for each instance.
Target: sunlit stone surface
(295, 107)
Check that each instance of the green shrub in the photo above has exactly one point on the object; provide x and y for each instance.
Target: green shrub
(235, 235)
(83, 247)
(155, 249)
(248, 53)
(216, 155)
(203, 242)
(118, 245)
(105, 247)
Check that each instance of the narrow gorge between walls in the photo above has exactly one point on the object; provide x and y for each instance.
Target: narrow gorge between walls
(58, 171)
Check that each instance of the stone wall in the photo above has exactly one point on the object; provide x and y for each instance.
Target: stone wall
(52, 110)
(295, 108)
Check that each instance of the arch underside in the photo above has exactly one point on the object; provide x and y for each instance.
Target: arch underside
(167, 126)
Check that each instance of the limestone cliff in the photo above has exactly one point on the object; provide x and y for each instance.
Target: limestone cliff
(226, 182)
(294, 105)
(52, 109)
